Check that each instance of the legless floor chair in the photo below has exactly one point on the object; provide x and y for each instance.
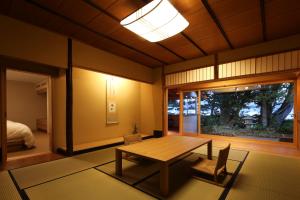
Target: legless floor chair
(213, 167)
(132, 139)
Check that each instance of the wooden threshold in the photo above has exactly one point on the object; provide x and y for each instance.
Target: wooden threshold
(31, 160)
(270, 147)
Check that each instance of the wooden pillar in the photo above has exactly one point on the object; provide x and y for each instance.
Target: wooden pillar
(69, 101)
(50, 114)
(199, 112)
(3, 135)
(165, 112)
(297, 112)
(164, 103)
(216, 68)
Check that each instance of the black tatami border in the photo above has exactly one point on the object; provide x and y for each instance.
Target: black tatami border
(22, 193)
(128, 183)
(233, 178)
(223, 196)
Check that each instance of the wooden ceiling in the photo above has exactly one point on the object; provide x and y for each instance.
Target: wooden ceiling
(215, 25)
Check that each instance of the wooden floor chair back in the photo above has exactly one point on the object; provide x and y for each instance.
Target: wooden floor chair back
(222, 160)
(132, 139)
(213, 167)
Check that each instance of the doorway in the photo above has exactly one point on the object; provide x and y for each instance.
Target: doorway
(29, 114)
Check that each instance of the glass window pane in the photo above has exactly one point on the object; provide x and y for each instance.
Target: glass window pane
(190, 112)
(264, 112)
(173, 110)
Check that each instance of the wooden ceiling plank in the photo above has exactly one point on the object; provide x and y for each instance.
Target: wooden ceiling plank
(94, 5)
(153, 49)
(5, 6)
(263, 19)
(180, 45)
(104, 4)
(241, 20)
(247, 35)
(217, 22)
(201, 24)
(166, 48)
(213, 44)
(118, 20)
(87, 28)
(77, 10)
(187, 37)
(194, 43)
(282, 18)
(115, 48)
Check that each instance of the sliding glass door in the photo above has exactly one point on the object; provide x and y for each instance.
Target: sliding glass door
(173, 111)
(191, 115)
(261, 112)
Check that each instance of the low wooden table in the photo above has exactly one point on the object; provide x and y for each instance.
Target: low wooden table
(164, 150)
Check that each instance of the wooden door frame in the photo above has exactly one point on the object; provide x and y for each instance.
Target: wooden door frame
(166, 115)
(165, 111)
(50, 114)
(49, 104)
(7, 62)
(3, 131)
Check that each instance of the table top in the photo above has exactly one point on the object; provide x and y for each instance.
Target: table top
(165, 148)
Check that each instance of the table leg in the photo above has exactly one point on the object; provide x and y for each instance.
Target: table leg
(209, 150)
(118, 162)
(164, 178)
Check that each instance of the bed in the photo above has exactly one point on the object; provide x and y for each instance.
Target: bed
(19, 136)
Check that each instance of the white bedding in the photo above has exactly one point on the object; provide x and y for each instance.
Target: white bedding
(17, 131)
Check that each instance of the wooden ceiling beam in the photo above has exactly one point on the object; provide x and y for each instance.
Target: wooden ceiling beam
(263, 19)
(194, 43)
(217, 22)
(118, 20)
(166, 48)
(91, 30)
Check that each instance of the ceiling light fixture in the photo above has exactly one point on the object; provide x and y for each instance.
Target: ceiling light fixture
(156, 21)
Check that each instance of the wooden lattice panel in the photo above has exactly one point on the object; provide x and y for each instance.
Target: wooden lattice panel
(272, 63)
(190, 76)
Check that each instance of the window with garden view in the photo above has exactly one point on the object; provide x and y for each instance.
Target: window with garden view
(258, 111)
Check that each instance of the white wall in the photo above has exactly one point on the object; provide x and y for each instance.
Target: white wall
(24, 105)
(137, 103)
(89, 106)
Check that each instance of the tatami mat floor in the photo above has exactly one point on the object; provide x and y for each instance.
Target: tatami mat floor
(90, 176)
(8, 190)
(267, 177)
(40, 173)
(89, 184)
